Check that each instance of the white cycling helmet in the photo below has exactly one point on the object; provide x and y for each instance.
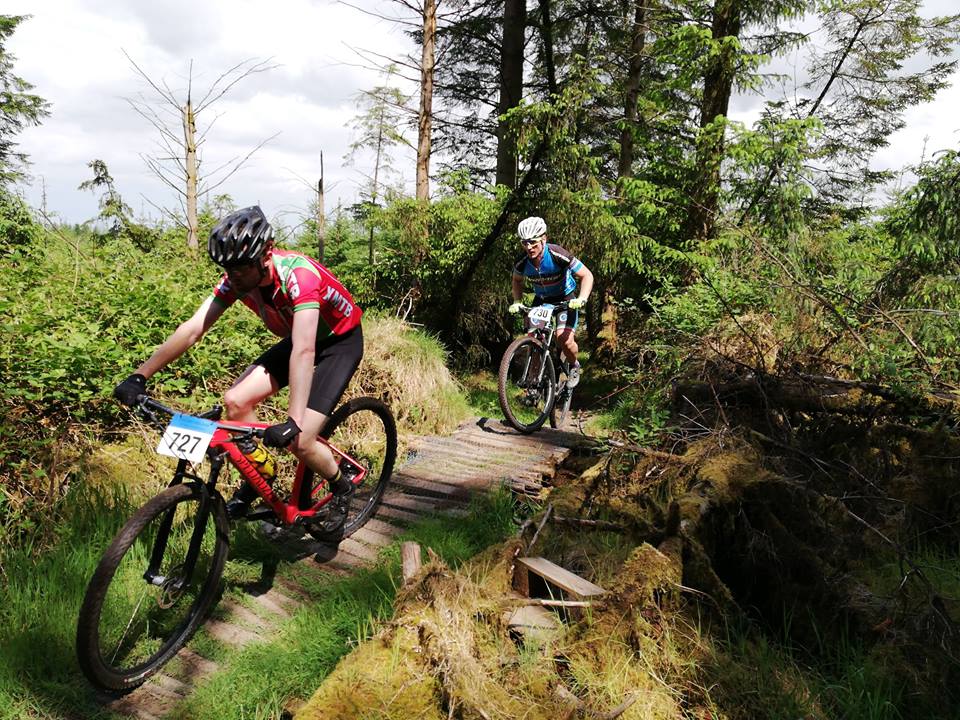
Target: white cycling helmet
(531, 227)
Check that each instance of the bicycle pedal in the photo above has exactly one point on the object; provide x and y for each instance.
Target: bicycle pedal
(261, 514)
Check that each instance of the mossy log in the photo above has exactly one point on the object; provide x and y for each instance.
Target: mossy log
(815, 394)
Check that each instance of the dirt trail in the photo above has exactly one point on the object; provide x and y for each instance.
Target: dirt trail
(440, 474)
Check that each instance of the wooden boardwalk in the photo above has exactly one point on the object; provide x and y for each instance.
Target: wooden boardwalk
(440, 475)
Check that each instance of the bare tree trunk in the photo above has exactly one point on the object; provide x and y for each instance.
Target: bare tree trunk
(632, 94)
(546, 31)
(190, 146)
(426, 99)
(717, 86)
(376, 178)
(511, 87)
(321, 216)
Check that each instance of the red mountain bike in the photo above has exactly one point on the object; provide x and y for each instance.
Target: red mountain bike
(161, 574)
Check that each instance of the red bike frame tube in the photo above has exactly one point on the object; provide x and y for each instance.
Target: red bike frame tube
(286, 512)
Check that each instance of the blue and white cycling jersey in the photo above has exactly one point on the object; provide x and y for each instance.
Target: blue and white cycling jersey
(553, 280)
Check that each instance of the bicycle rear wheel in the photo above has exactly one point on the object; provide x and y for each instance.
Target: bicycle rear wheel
(142, 603)
(527, 390)
(364, 429)
(561, 408)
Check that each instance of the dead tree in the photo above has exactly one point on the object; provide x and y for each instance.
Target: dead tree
(178, 162)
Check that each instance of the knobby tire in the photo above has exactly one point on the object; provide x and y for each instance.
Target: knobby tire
(104, 671)
(375, 446)
(548, 382)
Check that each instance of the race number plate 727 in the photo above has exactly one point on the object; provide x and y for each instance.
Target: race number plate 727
(187, 437)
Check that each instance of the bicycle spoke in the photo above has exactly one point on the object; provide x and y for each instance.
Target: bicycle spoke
(526, 384)
(364, 430)
(143, 601)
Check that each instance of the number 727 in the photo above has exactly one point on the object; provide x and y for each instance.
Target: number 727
(181, 441)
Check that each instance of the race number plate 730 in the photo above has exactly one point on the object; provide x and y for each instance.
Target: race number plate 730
(187, 437)
(540, 314)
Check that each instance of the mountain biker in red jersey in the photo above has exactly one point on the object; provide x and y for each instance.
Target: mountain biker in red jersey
(321, 345)
(554, 272)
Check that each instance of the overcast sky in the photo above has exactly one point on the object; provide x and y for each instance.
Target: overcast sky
(72, 52)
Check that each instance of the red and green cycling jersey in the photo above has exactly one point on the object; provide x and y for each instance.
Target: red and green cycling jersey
(299, 283)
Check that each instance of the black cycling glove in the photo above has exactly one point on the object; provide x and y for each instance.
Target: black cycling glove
(282, 434)
(128, 391)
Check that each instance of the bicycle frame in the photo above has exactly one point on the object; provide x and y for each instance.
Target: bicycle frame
(223, 444)
(223, 447)
(545, 336)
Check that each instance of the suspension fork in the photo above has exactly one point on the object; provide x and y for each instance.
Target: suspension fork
(545, 341)
(152, 574)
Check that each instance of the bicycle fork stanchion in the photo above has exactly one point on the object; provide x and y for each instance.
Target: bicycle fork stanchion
(152, 575)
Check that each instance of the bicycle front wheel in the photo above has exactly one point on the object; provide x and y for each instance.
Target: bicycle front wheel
(526, 385)
(152, 587)
(364, 429)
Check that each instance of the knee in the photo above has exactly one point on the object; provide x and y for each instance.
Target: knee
(236, 403)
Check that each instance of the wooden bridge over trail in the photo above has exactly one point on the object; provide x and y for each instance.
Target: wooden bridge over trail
(439, 475)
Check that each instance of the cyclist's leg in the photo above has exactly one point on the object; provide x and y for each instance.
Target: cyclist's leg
(259, 381)
(566, 327)
(337, 359)
(263, 378)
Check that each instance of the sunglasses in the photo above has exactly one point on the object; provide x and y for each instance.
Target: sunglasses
(534, 241)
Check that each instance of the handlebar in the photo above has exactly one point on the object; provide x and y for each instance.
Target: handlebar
(559, 307)
(149, 408)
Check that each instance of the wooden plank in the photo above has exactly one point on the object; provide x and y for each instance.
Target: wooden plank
(193, 667)
(532, 616)
(371, 537)
(471, 454)
(332, 557)
(397, 515)
(271, 602)
(430, 487)
(416, 504)
(383, 527)
(561, 438)
(230, 634)
(147, 702)
(237, 613)
(453, 467)
(561, 577)
(512, 440)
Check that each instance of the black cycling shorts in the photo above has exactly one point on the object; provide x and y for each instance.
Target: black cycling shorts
(337, 359)
(565, 319)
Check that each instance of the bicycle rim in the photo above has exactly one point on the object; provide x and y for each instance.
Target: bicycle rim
(526, 390)
(365, 430)
(129, 627)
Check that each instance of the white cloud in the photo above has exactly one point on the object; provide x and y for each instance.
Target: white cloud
(72, 52)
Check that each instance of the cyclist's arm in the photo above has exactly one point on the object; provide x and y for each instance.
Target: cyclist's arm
(183, 338)
(586, 281)
(517, 288)
(304, 337)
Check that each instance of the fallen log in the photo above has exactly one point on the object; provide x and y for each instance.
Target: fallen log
(815, 394)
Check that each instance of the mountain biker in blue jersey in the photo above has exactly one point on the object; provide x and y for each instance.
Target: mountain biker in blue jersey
(553, 271)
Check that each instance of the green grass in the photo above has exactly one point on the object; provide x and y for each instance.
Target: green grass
(481, 390)
(39, 675)
(42, 593)
(255, 681)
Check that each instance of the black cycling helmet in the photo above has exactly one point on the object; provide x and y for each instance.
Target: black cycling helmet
(240, 237)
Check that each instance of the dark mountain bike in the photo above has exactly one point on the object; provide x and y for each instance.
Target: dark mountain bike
(161, 574)
(532, 384)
